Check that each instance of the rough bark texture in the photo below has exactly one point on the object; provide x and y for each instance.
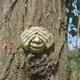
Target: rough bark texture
(15, 16)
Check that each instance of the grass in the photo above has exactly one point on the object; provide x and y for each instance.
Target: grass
(74, 57)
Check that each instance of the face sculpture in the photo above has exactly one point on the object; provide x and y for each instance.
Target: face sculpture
(36, 39)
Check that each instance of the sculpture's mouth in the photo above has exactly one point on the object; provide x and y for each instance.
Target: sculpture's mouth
(36, 47)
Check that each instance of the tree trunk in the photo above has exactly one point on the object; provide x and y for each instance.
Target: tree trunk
(16, 16)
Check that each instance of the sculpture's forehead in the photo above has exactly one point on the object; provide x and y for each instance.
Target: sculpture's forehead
(34, 30)
(38, 29)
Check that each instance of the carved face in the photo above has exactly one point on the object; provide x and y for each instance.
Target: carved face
(36, 39)
(36, 44)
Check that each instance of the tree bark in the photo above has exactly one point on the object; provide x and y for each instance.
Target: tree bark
(16, 16)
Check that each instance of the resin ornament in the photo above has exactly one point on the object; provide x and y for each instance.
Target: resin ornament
(36, 39)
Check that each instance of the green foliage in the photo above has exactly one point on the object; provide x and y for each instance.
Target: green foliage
(75, 67)
(74, 57)
(74, 53)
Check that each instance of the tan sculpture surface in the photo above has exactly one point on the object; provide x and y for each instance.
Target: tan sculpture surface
(36, 39)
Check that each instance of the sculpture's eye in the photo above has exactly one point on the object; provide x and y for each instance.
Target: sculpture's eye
(36, 39)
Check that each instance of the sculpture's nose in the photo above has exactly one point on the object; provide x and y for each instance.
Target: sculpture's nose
(36, 39)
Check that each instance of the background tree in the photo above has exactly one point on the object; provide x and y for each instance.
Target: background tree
(15, 17)
(75, 54)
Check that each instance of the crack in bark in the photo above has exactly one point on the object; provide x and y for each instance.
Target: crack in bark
(26, 10)
(5, 72)
(10, 10)
(62, 47)
(7, 66)
(57, 63)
